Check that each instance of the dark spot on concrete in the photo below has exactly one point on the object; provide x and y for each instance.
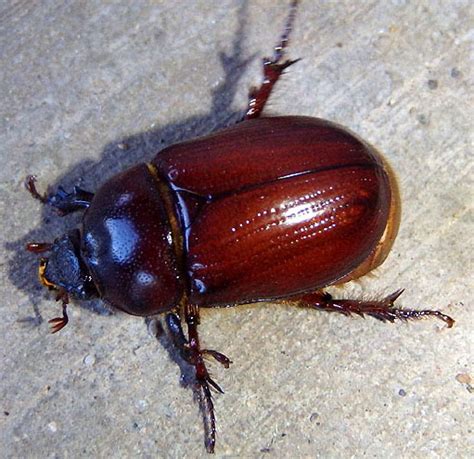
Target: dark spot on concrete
(313, 417)
(432, 84)
(456, 73)
(6, 413)
(402, 393)
(339, 44)
(423, 119)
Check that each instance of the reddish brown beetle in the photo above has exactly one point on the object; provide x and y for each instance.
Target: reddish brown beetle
(272, 209)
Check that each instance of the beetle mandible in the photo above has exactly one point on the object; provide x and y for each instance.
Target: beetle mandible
(271, 209)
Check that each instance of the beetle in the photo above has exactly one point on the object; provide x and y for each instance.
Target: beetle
(270, 209)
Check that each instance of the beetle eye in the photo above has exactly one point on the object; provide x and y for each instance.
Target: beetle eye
(41, 273)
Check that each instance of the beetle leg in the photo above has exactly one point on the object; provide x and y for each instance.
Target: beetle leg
(383, 310)
(218, 356)
(58, 323)
(65, 203)
(193, 354)
(173, 323)
(272, 69)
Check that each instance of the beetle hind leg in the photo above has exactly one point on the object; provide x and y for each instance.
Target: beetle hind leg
(384, 310)
(272, 69)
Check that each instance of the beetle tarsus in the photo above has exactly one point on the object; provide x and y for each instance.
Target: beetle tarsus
(218, 356)
(272, 69)
(280, 47)
(383, 310)
(207, 406)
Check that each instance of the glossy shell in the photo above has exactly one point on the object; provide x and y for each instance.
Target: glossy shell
(267, 209)
(128, 246)
(274, 207)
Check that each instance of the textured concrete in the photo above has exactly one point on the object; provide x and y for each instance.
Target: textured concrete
(88, 88)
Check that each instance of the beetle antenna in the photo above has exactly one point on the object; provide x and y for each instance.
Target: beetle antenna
(30, 185)
(38, 247)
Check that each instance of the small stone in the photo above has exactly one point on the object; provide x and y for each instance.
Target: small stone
(463, 378)
(402, 393)
(142, 405)
(52, 426)
(89, 360)
(313, 417)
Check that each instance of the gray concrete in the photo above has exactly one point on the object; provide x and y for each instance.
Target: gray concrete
(81, 78)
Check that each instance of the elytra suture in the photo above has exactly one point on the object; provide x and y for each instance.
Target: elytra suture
(271, 209)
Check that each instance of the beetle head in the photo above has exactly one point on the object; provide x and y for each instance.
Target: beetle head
(64, 270)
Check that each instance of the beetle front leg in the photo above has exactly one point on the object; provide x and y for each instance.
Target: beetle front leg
(272, 70)
(383, 310)
(191, 352)
(65, 203)
(58, 323)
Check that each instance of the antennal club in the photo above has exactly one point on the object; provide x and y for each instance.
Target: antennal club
(30, 185)
(39, 247)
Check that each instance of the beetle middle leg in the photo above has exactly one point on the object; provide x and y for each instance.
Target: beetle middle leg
(191, 352)
(383, 310)
(272, 69)
(64, 202)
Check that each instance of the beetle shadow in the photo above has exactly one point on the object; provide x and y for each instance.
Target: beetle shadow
(158, 329)
(117, 156)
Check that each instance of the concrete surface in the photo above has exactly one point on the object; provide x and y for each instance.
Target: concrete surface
(88, 88)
